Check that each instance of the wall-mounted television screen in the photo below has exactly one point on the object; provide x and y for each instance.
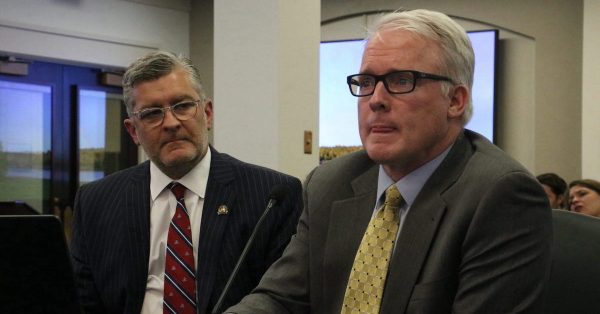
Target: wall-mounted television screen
(338, 121)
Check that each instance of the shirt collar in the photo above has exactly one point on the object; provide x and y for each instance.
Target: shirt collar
(195, 180)
(411, 184)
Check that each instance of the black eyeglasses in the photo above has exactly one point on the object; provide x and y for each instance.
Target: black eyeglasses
(397, 82)
(152, 117)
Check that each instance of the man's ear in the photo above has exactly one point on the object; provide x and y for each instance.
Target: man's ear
(459, 97)
(208, 112)
(131, 130)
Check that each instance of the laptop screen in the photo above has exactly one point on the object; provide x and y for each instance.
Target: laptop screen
(35, 267)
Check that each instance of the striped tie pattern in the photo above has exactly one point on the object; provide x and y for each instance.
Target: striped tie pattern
(369, 271)
(180, 274)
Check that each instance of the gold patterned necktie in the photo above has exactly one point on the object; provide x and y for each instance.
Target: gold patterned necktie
(369, 271)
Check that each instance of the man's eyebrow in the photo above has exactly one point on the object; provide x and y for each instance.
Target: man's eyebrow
(176, 100)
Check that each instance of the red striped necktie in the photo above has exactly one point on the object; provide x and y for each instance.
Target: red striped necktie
(180, 272)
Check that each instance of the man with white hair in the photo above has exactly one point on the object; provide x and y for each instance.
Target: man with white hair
(429, 217)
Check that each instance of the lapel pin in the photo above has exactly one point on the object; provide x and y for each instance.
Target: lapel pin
(223, 210)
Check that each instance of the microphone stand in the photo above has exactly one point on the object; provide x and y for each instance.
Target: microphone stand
(272, 202)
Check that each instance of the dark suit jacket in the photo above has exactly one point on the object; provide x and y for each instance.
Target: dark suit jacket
(476, 239)
(110, 246)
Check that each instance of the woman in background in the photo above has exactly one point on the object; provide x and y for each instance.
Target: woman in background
(584, 197)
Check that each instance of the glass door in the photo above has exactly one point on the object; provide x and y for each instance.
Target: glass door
(103, 146)
(25, 143)
(59, 128)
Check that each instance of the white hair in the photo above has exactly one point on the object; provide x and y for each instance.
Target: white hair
(458, 58)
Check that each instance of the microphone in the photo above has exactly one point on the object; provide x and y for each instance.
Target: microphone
(278, 193)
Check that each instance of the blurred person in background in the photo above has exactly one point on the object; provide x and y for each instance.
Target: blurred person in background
(584, 197)
(555, 188)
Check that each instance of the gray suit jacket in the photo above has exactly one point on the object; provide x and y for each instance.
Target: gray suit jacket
(111, 234)
(476, 240)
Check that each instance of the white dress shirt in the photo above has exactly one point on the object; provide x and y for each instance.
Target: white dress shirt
(162, 208)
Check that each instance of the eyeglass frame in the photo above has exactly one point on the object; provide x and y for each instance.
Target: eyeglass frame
(168, 108)
(382, 78)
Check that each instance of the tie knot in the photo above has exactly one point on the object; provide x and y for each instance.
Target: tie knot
(393, 197)
(177, 189)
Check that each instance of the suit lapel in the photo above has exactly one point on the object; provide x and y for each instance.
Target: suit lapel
(419, 229)
(219, 191)
(411, 250)
(137, 214)
(347, 224)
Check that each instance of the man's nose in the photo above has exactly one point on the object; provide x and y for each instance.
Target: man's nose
(170, 117)
(378, 100)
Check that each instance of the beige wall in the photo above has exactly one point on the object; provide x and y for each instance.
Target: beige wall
(540, 87)
(590, 126)
(201, 45)
(109, 33)
(266, 81)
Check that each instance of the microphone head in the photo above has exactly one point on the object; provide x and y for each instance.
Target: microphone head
(278, 192)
